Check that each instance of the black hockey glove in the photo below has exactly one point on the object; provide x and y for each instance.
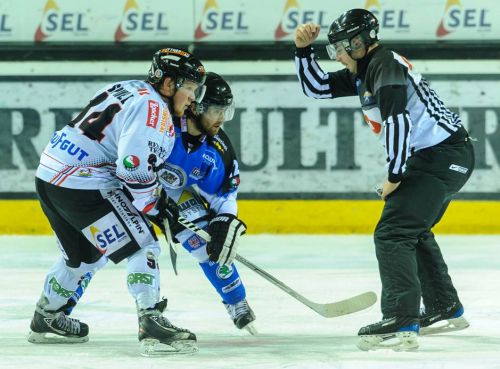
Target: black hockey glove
(225, 231)
(167, 208)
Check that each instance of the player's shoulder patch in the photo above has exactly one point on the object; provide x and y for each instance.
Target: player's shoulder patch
(156, 116)
(224, 148)
(221, 143)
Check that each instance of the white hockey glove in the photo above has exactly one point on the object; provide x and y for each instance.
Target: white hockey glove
(225, 231)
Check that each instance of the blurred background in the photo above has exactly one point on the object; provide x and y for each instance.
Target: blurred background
(307, 166)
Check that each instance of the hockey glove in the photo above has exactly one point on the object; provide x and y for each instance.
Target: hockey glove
(167, 208)
(225, 231)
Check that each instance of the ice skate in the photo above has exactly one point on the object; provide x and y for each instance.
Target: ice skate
(55, 327)
(158, 336)
(242, 315)
(397, 334)
(444, 320)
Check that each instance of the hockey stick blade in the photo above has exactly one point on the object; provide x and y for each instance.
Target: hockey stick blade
(347, 306)
(331, 310)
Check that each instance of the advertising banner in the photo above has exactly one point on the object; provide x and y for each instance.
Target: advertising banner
(215, 21)
(289, 146)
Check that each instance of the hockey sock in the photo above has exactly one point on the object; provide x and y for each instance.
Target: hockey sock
(64, 286)
(225, 280)
(143, 276)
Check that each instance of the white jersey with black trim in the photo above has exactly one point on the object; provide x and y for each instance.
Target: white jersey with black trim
(115, 141)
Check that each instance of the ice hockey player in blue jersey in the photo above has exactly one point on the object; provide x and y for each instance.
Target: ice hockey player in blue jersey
(202, 175)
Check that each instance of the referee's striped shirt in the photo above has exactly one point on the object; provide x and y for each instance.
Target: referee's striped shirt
(397, 101)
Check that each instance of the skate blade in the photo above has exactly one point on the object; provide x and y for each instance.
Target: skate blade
(51, 338)
(250, 328)
(399, 341)
(152, 347)
(451, 325)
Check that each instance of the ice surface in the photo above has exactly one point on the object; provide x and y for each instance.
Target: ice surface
(323, 268)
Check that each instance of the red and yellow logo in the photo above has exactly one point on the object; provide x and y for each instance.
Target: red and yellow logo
(279, 33)
(153, 113)
(119, 34)
(50, 6)
(441, 30)
(456, 16)
(209, 5)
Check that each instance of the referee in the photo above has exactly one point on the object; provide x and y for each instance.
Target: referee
(429, 159)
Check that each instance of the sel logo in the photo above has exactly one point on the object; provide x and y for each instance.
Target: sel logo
(293, 16)
(134, 20)
(388, 18)
(107, 234)
(54, 20)
(107, 237)
(213, 19)
(457, 17)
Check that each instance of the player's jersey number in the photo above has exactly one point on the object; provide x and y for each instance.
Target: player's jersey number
(94, 123)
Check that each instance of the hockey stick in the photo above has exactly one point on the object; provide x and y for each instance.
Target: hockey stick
(331, 310)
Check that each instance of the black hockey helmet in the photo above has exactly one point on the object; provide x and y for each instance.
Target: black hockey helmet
(178, 64)
(350, 24)
(218, 97)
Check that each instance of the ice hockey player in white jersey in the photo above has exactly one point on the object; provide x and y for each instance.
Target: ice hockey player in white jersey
(96, 184)
(202, 175)
(429, 158)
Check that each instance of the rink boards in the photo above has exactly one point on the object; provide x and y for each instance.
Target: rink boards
(307, 166)
(292, 216)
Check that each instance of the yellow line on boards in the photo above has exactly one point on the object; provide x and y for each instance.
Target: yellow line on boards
(292, 216)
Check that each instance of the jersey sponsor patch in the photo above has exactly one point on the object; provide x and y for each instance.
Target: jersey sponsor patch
(196, 173)
(166, 123)
(234, 182)
(232, 286)
(131, 217)
(171, 130)
(173, 176)
(219, 143)
(107, 234)
(194, 242)
(157, 149)
(210, 159)
(84, 172)
(224, 271)
(153, 113)
(131, 162)
(59, 141)
(458, 168)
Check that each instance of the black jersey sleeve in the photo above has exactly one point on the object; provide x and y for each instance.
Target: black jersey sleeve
(223, 146)
(318, 84)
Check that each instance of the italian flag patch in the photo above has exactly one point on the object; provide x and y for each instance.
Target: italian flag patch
(131, 162)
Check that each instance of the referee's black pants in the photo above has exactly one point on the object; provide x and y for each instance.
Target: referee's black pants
(410, 262)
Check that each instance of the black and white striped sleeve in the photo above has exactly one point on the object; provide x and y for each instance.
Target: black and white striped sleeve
(318, 84)
(397, 144)
(397, 122)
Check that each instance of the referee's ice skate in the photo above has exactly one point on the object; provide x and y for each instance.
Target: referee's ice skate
(158, 336)
(398, 334)
(444, 320)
